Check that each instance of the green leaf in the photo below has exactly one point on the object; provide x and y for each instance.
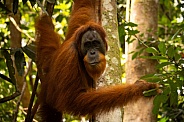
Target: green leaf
(165, 94)
(147, 76)
(161, 65)
(166, 90)
(177, 56)
(131, 24)
(20, 61)
(162, 48)
(150, 93)
(121, 30)
(9, 64)
(151, 50)
(164, 119)
(153, 57)
(133, 32)
(159, 99)
(173, 85)
(30, 51)
(174, 93)
(157, 103)
(171, 51)
(135, 55)
(152, 78)
(164, 19)
(174, 98)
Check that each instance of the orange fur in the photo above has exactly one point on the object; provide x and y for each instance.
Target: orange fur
(66, 80)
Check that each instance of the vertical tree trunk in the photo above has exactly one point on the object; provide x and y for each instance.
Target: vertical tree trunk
(113, 71)
(15, 42)
(144, 13)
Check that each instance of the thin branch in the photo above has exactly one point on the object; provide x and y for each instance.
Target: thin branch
(42, 7)
(5, 78)
(29, 116)
(22, 92)
(18, 102)
(35, 108)
(11, 97)
(50, 8)
(20, 30)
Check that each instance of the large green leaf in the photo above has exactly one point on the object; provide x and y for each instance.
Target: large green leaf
(135, 55)
(9, 64)
(20, 61)
(151, 50)
(159, 99)
(157, 103)
(162, 48)
(154, 57)
(163, 64)
(171, 52)
(30, 51)
(150, 93)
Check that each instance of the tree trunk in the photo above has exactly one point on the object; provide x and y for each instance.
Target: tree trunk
(144, 13)
(113, 71)
(15, 42)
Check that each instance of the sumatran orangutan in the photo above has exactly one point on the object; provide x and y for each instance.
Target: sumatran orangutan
(69, 70)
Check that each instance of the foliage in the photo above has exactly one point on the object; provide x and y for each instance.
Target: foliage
(168, 52)
(29, 10)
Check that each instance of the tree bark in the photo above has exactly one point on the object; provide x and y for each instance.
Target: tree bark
(144, 13)
(15, 42)
(113, 71)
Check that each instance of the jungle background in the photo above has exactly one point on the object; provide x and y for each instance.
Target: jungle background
(18, 73)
